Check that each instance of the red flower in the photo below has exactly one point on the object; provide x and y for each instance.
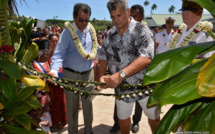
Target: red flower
(196, 31)
(6, 49)
(178, 31)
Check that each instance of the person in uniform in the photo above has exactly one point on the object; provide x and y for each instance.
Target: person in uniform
(164, 37)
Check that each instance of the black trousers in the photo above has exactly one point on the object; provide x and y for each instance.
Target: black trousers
(136, 117)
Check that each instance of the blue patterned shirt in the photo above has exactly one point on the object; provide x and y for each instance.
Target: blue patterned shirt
(121, 51)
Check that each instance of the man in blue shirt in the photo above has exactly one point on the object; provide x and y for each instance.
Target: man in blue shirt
(76, 48)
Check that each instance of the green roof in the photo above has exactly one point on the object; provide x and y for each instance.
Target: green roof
(159, 19)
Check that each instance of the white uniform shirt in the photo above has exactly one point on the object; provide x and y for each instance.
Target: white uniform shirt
(200, 38)
(163, 38)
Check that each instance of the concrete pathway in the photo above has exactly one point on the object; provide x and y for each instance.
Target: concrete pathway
(103, 107)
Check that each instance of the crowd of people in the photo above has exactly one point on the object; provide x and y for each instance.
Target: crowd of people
(125, 50)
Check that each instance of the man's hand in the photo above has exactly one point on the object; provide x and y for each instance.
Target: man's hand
(114, 80)
(52, 74)
(102, 79)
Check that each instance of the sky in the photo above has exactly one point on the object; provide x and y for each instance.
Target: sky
(63, 9)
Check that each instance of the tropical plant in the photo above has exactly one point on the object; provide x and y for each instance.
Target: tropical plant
(154, 6)
(171, 9)
(186, 83)
(146, 3)
(208, 4)
(16, 96)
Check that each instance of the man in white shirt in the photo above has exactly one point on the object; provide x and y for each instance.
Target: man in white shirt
(163, 38)
(193, 30)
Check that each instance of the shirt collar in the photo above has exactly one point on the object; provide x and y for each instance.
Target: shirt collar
(130, 28)
(191, 29)
(76, 28)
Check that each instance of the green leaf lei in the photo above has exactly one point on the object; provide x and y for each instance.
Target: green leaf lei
(63, 83)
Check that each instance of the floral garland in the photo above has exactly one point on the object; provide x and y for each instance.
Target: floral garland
(78, 43)
(202, 26)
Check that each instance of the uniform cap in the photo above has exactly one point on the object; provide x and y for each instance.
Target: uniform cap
(169, 18)
(190, 5)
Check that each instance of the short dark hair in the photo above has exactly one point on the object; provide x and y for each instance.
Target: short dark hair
(141, 9)
(84, 7)
(109, 26)
(51, 35)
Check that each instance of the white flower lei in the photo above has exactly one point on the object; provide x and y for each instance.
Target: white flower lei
(78, 43)
(202, 26)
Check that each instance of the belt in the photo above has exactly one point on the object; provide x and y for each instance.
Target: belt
(77, 72)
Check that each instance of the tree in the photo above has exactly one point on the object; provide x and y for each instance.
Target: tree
(94, 21)
(55, 17)
(15, 98)
(171, 9)
(12, 7)
(146, 3)
(154, 6)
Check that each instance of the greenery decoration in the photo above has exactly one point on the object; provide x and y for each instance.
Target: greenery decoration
(186, 83)
(73, 84)
(16, 99)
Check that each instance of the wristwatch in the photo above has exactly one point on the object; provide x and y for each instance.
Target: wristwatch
(122, 74)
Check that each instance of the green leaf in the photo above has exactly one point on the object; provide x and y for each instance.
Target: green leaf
(208, 4)
(11, 69)
(205, 80)
(2, 99)
(20, 109)
(33, 102)
(3, 3)
(168, 64)
(174, 116)
(17, 130)
(8, 86)
(179, 89)
(26, 25)
(15, 33)
(212, 34)
(24, 93)
(30, 54)
(24, 120)
(204, 119)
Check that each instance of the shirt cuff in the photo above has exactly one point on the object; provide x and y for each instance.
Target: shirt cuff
(55, 72)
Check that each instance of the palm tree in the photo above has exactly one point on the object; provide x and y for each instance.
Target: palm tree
(7, 6)
(154, 6)
(171, 9)
(146, 3)
(94, 21)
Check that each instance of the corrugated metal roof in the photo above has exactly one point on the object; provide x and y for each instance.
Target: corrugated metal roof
(159, 19)
(150, 22)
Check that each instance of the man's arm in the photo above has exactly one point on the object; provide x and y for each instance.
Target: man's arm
(137, 65)
(156, 45)
(102, 67)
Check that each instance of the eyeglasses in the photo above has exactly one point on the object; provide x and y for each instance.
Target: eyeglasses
(81, 20)
(169, 22)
